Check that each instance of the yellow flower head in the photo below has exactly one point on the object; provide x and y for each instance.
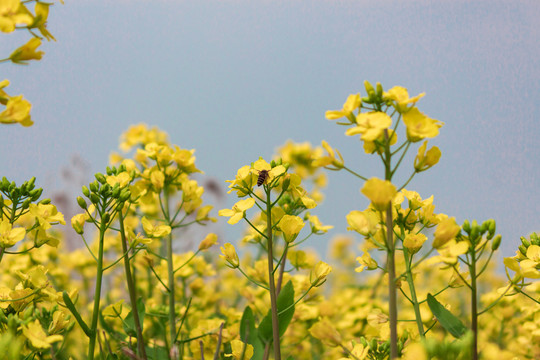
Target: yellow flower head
(37, 336)
(380, 192)
(423, 160)
(229, 254)
(208, 242)
(370, 125)
(413, 242)
(158, 231)
(238, 210)
(27, 52)
(353, 102)
(400, 97)
(46, 214)
(17, 111)
(290, 226)
(366, 261)
(419, 126)
(240, 350)
(446, 231)
(325, 331)
(319, 273)
(9, 235)
(363, 222)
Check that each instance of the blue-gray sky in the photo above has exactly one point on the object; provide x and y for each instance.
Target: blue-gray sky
(236, 79)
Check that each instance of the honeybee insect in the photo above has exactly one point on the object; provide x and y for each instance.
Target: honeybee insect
(263, 175)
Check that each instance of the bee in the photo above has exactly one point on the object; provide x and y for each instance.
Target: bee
(263, 175)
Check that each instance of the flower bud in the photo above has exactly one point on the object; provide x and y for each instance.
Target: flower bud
(116, 191)
(45, 201)
(522, 250)
(99, 177)
(286, 182)
(369, 90)
(466, 226)
(85, 191)
(125, 195)
(94, 187)
(106, 217)
(94, 198)
(379, 90)
(5, 184)
(496, 242)
(35, 194)
(81, 202)
(26, 204)
(525, 242)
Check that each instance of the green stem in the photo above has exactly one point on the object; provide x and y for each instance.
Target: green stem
(474, 305)
(412, 289)
(132, 290)
(273, 293)
(97, 292)
(172, 313)
(390, 262)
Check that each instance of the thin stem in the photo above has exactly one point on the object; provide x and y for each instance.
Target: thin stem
(97, 292)
(355, 174)
(132, 290)
(273, 293)
(412, 289)
(474, 305)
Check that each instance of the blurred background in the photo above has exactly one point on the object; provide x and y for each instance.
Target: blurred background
(237, 79)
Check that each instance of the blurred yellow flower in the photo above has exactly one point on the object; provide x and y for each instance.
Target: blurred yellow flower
(319, 273)
(158, 231)
(208, 242)
(37, 336)
(290, 226)
(446, 231)
(10, 235)
(423, 160)
(352, 103)
(325, 331)
(27, 52)
(237, 212)
(229, 255)
(413, 242)
(240, 350)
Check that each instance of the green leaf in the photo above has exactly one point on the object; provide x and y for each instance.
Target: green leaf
(285, 300)
(449, 321)
(71, 307)
(129, 321)
(248, 334)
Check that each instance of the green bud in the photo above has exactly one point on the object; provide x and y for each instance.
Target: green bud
(94, 186)
(99, 177)
(496, 242)
(492, 226)
(26, 204)
(45, 201)
(94, 198)
(36, 194)
(379, 90)
(121, 169)
(119, 206)
(15, 194)
(466, 226)
(367, 100)
(475, 233)
(484, 227)
(13, 321)
(286, 183)
(105, 190)
(363, 341)
(109, 171)
(522, 250)
(535, 239)
(28, 312)
(81, 203)
(373, 345)
(116, 191)
(31, 183)
(369, 90)
(12, 186)
(1, 202)
(525, 242)
(5, 184)
(125, 195)
(85, 191)
(106, 217)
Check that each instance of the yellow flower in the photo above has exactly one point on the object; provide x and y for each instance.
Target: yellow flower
(319, 273)
(59, 322)
(37, 337)
(325, 331)
(423, 160)
(370, 125)
(208, 242)
(290, 225)
(413, 242)
(122, 179)
(316, 225)
(27, 52)
(45, 214)
(451, 250)
(353, 102)
(363, 222)
(323, 161)
(10, 15)
(240, 350)
(155, 231)
(380, 192)
(229, 254)
(446, 231)
(17, 111)
(400, 96)
(9, 235)
(419, 126)
(238, 210)
(366, 261)
(243, 181)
